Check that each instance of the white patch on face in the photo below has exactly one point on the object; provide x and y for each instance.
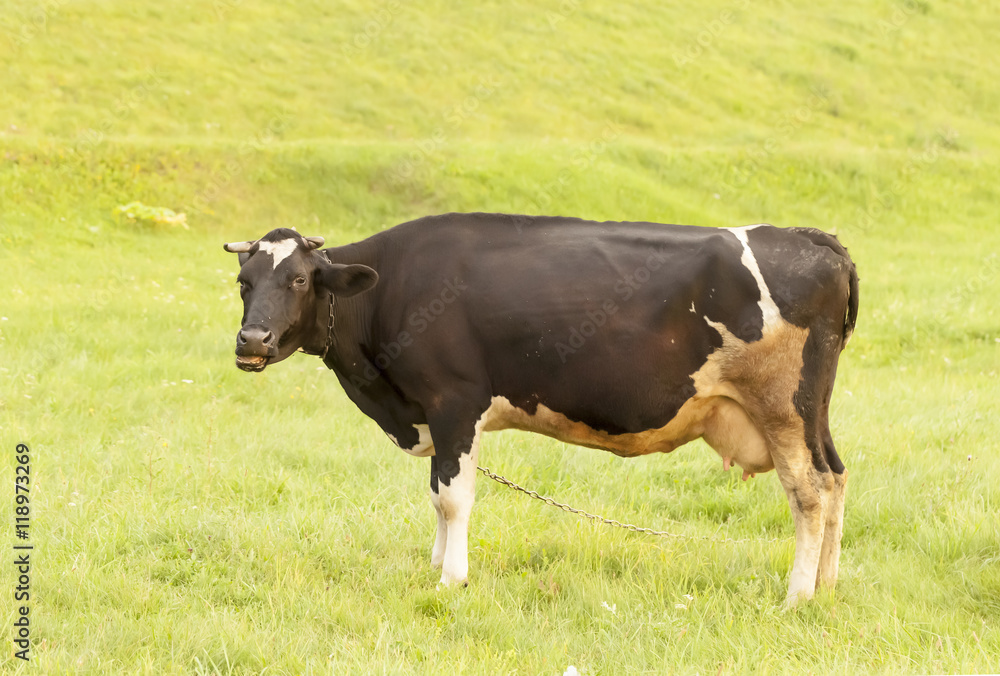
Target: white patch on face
(425, 445)
(767, 305)
(279, 250)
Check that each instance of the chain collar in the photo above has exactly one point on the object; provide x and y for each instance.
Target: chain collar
(329, 324)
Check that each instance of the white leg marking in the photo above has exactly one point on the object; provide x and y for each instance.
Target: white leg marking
(808, 542)
(456, 506)
(829, 559)
(441, 539)
(279, 250)
(767, 306)
(810, 524)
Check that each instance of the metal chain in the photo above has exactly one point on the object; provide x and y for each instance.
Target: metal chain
(329, 330)
(329, 324)
(614, 522)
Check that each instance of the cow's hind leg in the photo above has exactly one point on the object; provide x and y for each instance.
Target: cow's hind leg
(810, 491)
(809, 469)
(816, 410)
(829, 561)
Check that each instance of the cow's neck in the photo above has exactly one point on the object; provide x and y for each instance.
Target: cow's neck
(352, 316)
(352, 349)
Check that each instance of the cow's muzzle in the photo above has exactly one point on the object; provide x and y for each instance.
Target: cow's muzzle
(254, 348)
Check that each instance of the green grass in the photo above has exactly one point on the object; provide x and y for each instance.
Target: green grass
(237, 523)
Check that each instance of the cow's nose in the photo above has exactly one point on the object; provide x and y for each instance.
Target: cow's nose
(253, 339)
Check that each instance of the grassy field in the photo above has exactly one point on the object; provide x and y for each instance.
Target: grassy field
(191, 518)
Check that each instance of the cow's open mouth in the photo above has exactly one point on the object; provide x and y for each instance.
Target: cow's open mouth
(253, 363)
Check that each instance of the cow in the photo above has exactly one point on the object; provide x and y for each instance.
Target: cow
(630, 337)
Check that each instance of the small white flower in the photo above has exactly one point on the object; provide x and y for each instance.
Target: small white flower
(571, 671)
(189, 382)
(611, 609)
(680, 606)
(71, 504)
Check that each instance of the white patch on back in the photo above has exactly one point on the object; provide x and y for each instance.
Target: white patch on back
(768, 308)
(279, 250)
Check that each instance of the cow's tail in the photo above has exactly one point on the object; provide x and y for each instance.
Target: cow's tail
(831, 242)
(852, 302)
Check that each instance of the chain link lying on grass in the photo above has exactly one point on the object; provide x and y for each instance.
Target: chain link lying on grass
(613, 522)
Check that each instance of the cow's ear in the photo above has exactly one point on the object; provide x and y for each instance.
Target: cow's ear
(347, 280)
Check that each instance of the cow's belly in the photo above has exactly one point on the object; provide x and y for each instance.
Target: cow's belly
(686, 426)
(720, 420)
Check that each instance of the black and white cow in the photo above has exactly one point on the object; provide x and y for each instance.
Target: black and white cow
(635, 338)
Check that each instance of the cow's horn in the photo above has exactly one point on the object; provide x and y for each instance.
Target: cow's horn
(238, 247)
(315, 242)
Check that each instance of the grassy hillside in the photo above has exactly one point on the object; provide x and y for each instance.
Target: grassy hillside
(191, 518)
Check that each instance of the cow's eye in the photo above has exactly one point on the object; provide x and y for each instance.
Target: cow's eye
(300, 281)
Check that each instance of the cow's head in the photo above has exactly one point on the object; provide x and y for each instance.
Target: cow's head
(286, 285)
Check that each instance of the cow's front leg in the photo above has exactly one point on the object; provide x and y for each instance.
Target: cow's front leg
(441, 539)
(456, 443)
